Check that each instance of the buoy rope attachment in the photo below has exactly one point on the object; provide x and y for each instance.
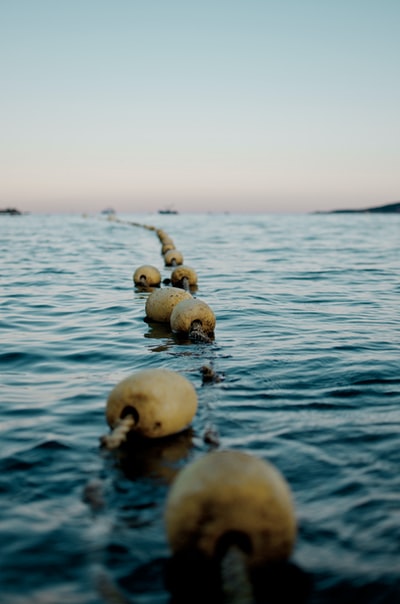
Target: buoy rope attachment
(119, 433)
(235, 581)
(197, 334)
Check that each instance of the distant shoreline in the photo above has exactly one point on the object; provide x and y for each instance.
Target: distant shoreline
(387, 208)
(11, 211)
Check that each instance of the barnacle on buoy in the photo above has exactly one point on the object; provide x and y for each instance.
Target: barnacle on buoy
(147, 275)
(231, 498)
(152, 403)
(161, 302)
(173, 258)
(183, 276)
(194, 317)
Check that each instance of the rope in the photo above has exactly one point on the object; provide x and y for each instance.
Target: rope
(119, 433)
(185, 284)
(236, 586)
(197, 334)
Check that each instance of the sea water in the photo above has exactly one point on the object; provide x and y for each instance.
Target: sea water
(307, 351)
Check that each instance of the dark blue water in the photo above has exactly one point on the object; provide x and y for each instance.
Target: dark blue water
(307, 341)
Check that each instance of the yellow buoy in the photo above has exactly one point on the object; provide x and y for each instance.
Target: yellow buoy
(166, 239)
(231, 498)
(147, 275)
(152, 403)
(194, 317)
(166, 247)
(183, 276)
(161, 302)
(162, 235)
(173, 258)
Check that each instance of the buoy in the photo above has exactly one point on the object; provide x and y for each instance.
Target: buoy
(166, 247)
(161, 302)
(183, 276)
(173, 258)
(162, 235)
(194, 317)
(231, 499)
(147, 275)
(152, 403)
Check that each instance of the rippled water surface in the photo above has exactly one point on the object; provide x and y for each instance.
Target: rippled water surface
(307, 341)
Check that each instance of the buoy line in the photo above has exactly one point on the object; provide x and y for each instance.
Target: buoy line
(228, 508)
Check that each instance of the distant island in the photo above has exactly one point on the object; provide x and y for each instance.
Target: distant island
(387, 208)
(11, 211)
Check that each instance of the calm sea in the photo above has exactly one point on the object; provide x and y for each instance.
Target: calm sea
(307, 342)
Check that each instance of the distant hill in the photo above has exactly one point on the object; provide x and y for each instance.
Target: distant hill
(11, 211)
(387, 208)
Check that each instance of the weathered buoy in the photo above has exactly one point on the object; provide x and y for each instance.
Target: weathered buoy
(183, 276)
(194, 317)
(152, 403)
(173, 258)
(161, 302)
(147, 275)
(231, 499)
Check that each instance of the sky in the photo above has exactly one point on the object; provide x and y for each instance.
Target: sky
(285, 106)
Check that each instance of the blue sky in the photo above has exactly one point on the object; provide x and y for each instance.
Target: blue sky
(256, 105)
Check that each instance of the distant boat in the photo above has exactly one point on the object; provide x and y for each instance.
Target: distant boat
(167, 211)
(108, 211)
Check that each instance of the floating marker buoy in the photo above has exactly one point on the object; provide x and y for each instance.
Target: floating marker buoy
(162, 235)
(231, 499)
(166, 239)
(166, 247)
(161, 302)
(194, 317)
(152, 403)
(147, 275)
(183, 276)
(173, 258)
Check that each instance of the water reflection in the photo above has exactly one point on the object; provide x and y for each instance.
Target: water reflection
(206, 580)
(159, 458)
(160, 331)
(143, 288)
